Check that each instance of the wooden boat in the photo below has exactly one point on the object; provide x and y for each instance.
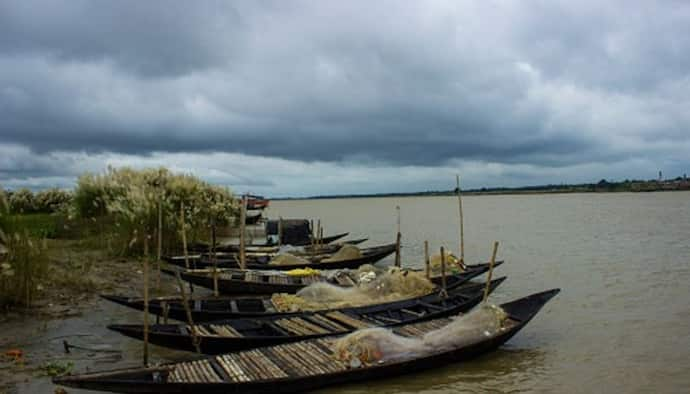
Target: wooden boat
(369, 255)
(256, 202)
(231, 281)
(239, 334)
(228, 255)
(230, 307)
(299, 366)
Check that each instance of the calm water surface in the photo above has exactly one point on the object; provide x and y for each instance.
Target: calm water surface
(621, 323)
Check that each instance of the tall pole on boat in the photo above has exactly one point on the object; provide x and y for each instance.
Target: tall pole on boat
(146, 299)
(188, 311)
(491, 271)
(397, 240)
(444, 293)
(280, 231)
(427, 262)
(243, 217)
(318, 232)
(462, 228)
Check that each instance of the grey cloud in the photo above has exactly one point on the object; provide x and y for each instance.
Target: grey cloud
(552, 84)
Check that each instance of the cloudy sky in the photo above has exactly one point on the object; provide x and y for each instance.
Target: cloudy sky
(292, 98)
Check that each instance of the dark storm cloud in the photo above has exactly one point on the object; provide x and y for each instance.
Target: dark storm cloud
(551, 84)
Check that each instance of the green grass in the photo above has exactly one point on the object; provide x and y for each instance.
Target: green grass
(37, 225)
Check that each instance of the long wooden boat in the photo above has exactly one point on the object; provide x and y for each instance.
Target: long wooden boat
(368, 256)
(226, 336)
(300, 366)
(228, 255)
(231, 281)
(230, 307)
(203, 247)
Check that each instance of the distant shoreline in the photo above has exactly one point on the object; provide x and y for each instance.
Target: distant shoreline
(678, 184)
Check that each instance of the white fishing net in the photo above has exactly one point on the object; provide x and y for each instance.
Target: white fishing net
(380, 345)
(391, 285)
(347, 252)
(288, 259)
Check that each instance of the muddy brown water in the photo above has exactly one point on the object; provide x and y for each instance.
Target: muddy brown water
(621, 323)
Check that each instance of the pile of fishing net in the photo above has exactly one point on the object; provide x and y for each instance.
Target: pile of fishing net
(288, 259)
(391, 285)
(452, 264)
(347, 252)
(379, 345)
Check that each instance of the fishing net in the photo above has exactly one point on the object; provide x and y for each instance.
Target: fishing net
(379, 345)
(303, 272)
(391, 285)
(452, 264)
(347, 252)
(288, 259)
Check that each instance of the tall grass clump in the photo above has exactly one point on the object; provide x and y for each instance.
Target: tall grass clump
(23, 262)
(124, 203)
(24, 201)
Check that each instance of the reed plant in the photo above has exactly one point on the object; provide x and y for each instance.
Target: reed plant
(23, 264)
(124, 203)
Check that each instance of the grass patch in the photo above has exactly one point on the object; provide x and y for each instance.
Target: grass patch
(35, 225)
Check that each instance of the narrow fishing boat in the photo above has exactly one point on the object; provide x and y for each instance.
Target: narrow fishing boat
(232, 281)
(228, 255)
(316, 363)
(322, 262)
(238, 334)
(230, 307)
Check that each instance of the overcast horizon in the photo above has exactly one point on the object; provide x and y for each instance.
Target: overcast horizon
(306, 98)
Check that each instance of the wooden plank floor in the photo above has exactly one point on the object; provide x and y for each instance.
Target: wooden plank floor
(299, 359)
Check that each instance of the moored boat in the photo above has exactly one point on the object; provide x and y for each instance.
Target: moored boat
(238, 334)
(322, 262)
(305, 365)
(233, 281)
(228, 307)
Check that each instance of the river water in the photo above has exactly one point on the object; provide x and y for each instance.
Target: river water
(620, 324)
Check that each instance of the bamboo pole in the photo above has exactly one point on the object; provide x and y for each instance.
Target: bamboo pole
(444, 293)
(213, 256)
(243, 217)
(491, 270)
(397, 240)
(188, 312)
(462, 228)
(312, 230)
(427, 262)
(280, 231)
(318, 231)
(159, 248)
(321, 238)
(184, 243)
(146, 300)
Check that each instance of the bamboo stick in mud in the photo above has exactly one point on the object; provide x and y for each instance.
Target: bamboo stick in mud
(146, 300)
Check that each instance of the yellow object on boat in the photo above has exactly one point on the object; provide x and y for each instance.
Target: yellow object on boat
(303, 272)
